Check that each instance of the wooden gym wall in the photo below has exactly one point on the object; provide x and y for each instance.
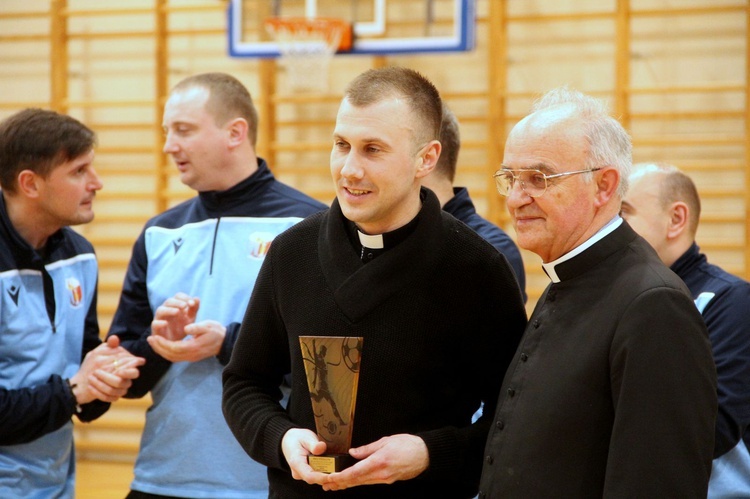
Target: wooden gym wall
(675, 72)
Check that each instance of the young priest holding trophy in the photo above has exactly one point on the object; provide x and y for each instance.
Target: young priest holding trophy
(437, 308)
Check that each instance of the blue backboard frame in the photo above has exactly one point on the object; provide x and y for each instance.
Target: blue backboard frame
(462, 40)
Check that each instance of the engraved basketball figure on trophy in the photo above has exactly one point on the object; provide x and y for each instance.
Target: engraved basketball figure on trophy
(332, 369)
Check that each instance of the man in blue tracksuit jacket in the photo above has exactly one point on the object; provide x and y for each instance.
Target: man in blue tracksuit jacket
(52, 362)
(188, 284)
(663, 206)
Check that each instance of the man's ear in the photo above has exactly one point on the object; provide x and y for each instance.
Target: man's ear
(606, 185)
(28, 184)
(237, 130)
(679, 215)
(428, 158)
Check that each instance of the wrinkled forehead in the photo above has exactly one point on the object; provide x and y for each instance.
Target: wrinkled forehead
(550, 142)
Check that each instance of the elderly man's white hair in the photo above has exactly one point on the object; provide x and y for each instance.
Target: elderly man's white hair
(609, 143)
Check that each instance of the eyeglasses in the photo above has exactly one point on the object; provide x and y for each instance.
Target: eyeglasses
(533, 182)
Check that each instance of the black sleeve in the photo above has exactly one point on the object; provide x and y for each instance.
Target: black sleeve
(456, 453)
(251, 396)
(661, 370)
(29, 413)
(227, 346)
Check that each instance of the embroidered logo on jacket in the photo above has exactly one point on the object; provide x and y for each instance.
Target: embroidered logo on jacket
(13, 293)
(76, 293)
(260, 242)
(177, 244)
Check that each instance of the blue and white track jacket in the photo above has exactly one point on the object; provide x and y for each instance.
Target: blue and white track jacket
(211, 246)
(47, 324)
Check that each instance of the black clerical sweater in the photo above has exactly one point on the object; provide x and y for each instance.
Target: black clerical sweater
(441, 316)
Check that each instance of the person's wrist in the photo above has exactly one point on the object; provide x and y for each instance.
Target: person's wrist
(72, 387)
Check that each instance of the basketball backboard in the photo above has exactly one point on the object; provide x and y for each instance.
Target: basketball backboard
(379, 26)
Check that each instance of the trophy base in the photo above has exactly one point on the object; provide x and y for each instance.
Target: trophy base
(330, 463)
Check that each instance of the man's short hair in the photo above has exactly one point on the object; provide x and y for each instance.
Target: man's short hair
(228, 99)
(609, 142)
(376, 85)
(676, 186)
(39, 140)
(450, 138)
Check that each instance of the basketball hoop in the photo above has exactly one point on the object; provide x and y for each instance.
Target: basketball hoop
(307, 46)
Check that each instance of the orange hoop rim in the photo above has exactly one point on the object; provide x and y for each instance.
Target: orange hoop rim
(327, 25)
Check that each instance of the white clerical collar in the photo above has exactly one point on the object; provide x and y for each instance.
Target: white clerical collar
(549, 268)
(372, 242)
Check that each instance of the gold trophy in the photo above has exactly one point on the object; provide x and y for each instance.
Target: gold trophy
(332, 368)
